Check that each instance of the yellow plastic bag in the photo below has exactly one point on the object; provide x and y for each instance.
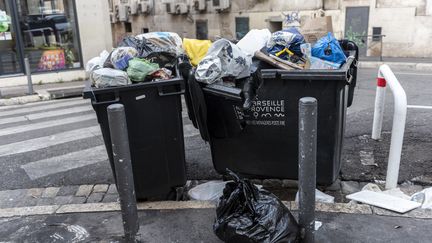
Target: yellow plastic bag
(196, 49)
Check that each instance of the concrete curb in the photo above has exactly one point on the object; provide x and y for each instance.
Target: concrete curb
(22, 100)
(44, 95)
(397, 65)
(347, 208)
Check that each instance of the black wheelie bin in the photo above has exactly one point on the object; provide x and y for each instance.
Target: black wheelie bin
(262, 141)
(155, 128)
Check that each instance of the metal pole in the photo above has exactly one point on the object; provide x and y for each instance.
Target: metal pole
(381, 50)
(307, 166)
(123, 169)
(29, 78)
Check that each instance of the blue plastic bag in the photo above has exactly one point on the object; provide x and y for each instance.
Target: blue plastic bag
(290, 39)
(328, 48)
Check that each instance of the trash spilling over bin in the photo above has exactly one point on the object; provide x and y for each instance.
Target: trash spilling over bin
(142, 74)
(247, 214)
(250, 120)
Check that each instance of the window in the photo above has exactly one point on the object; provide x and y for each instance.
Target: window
(10, 53)
(242, 27)
(145, 30)
(376, 33)
(128, 27)
(201, 30)
(49, 34)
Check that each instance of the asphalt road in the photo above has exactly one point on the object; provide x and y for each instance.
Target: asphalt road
(58, 143)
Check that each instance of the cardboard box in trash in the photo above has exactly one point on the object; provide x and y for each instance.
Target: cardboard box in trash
(315, 28)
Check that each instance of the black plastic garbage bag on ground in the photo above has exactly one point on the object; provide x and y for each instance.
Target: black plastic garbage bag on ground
(248, 214)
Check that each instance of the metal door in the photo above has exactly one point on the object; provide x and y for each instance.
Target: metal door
(356, 27)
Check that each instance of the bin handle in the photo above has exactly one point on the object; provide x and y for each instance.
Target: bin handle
(162, 93)
(351, 76)
(108, 102)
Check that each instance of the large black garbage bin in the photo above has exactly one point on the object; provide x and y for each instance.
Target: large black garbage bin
(262, 142)
(155, 129)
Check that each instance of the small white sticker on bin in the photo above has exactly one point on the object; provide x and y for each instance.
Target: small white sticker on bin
(140, 97)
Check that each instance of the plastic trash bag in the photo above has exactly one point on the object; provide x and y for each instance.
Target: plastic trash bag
(328, 48)
(120, 57)
(107, 77)
(247, 214)
(166, 41)
(196, 49)
(319, 197)
(223, 59)
(285, 41)
(209, 191)
(315, 62)
(145, 48)
(97, 62)
(162, 73)
(139, 69)
(254, 41)
(424, 197)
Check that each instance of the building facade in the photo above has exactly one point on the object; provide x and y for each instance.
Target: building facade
(57, 36)
(393, 28)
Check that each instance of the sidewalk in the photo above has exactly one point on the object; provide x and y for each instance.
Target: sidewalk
(192, 222)
(400, 63)
(19, 94)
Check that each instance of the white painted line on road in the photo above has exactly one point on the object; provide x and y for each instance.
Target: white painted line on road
(35, 104)
(43, 107)
(65, 162)
(45, 114)
(415, 74)
(46, 124)
(47, 141)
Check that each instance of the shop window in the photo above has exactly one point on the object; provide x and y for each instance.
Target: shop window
(10, 54)
(242, 27)
(49, 34)
(201, 30)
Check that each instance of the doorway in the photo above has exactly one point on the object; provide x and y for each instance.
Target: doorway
(201, 29)
(356, 27)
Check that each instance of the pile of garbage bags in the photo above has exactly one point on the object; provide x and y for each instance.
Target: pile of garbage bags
(154, 56)
(143, 58)
(285, 49)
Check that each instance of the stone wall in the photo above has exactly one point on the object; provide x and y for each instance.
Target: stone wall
(406, 24)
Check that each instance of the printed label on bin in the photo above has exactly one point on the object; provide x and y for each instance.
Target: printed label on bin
(263, 113)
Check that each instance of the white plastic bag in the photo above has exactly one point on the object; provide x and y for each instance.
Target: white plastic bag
(164, 40)
(108, 77)
(120, 57)
(209, 191)
(223, 59)
(319, 197)
(254, 41)
(424, 197)
(97, 62)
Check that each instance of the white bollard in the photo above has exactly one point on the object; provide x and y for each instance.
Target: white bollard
(379, 107)
(398, 129)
